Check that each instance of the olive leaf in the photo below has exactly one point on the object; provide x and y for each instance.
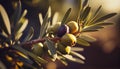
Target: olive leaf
(71, 58)
(17, 13)
(95, 27)
(66, 16)
(55, 18)
(62, 60)
(40, 18)
(24, 58)
(82, 42)
(51, 48)
(105, 17)
(77, 54)
(85, 3)
(91, 28)
(85, 13)
(45, 23)
(93, 18)
(77, 49)
(4, 21)
(87, 38)
(18, 36)
(30, 34)
(28, 53)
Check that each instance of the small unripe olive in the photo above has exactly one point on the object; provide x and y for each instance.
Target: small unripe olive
(64, 49)
(38, 49)
(63, 29)
(68, 40)
(73, 26)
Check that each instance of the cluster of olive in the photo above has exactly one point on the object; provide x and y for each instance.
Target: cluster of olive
(66, 33)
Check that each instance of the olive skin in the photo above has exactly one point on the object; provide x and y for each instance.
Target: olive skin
(73, 26)
(37, 49)
(63, 29)
(68, 40)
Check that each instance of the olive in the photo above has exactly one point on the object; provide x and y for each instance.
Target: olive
(63, 29)
(38, 49)
(64, 49)
(68, 40)
(73, 26)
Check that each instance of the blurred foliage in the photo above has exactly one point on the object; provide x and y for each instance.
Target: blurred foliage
(49, 47)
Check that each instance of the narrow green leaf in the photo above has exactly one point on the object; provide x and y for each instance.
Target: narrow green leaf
(77, 54)
(45, 23)
(51, 48)
(85, 13)
(85, 3)
(17, 13)
(82, 42)
(62, 60)
(55, 18)
(80, 9)
(105, 17)
(21, 26)
(6, 26)
(77, 49)
(91, 28)
(66, 16)
(98, 10)
(40, 18)
(18, 36)
(30, 34)
(35, 57)
(103, 24)
(88, 38)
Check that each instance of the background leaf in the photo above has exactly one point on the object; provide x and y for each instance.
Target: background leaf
(29, 35)
(6, 23)
(66, 16)
(45, 23)
(105, 17)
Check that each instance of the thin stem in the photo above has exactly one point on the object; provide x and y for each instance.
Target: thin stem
(40, 40)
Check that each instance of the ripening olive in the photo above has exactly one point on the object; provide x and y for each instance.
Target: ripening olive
(63, 29)
(73, 26)
(38, 49)
(64, 49)
(68, 40)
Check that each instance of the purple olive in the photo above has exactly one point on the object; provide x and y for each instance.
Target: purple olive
(63, 29)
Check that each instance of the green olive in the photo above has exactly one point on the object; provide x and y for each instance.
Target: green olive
(73, 26)
(38, 49)
(68, 40)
